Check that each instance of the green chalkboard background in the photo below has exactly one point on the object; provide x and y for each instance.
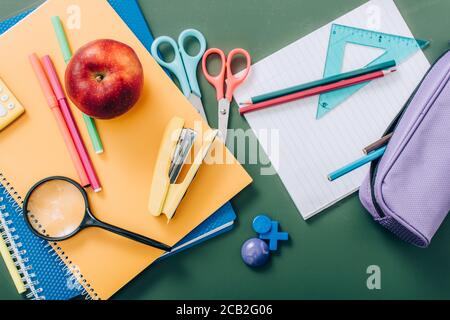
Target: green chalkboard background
(327, 256)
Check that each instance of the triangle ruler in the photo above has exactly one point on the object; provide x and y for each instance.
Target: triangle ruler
(395, 47)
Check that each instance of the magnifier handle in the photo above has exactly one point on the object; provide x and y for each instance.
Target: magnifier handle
(133, 236)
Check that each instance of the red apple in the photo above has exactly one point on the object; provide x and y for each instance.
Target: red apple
(104, 79)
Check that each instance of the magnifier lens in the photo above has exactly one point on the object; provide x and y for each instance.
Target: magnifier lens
(56, 209)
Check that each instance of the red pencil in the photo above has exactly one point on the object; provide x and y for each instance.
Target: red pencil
(314, 91)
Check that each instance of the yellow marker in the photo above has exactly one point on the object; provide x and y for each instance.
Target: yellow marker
(11, 267)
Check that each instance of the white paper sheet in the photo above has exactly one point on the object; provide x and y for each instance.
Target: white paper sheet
(310, 149)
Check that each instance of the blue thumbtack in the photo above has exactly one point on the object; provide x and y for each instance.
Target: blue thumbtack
(274, 236)
(262, 224)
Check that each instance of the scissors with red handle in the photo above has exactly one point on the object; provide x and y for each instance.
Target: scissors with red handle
(225, 78)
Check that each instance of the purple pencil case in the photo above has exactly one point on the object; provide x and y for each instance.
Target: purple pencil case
(407, 190)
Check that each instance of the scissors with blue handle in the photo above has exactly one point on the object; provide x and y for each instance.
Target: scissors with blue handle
(184, 66)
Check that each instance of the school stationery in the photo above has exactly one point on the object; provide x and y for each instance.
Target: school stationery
(176, 146)
(10, 107)
(50, 278)
(62, 39)
(72, 126)
(406, 191)
(314, 91)
(184, 66)
(391, 47)
(305, 145)
(60, 284)
(57, 208)
(89, 122)
(35, 266)
(357, 164)
(11, 266)
(377, 144)
(60, 121)
(127, 170)
(223, 219)
(225, 77)
(220, 222)
(321, 82)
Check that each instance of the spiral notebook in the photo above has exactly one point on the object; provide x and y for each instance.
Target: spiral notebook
(50, 278)
(43, 273)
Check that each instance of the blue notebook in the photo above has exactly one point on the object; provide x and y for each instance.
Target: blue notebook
(45, 275)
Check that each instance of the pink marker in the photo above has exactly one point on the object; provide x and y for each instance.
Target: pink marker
(56, 110)
(68, 117)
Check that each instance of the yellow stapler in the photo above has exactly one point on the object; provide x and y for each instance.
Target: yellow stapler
(176, 147)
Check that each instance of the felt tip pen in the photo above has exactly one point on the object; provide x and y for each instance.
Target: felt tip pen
(321, 82)
(54, 107)
(67, 55)
(71, 124)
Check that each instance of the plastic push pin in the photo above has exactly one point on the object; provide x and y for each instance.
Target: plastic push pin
(274, 236)
(262, 224)
(255, 252)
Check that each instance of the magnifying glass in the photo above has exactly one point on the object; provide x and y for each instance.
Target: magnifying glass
(57, 208)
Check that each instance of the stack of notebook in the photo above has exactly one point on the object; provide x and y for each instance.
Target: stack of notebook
(40, 269)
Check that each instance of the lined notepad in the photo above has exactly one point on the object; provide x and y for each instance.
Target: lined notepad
(309, 149)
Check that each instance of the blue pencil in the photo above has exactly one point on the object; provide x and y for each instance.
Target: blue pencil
(356, 164)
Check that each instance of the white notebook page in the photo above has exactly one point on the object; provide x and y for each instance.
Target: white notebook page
(310, 149)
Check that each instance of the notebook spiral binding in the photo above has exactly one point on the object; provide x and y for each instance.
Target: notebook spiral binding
(72, 270)
(18, 250)
(15, 247)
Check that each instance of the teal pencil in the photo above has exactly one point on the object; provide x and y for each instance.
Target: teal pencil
(67, 54)
(356, 164)
(321, 82)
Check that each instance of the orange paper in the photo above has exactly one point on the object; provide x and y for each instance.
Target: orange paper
(32, 148)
